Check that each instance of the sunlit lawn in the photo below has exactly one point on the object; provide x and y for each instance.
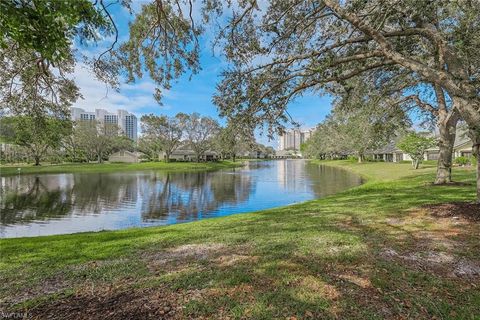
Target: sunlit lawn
(371, 252)
(114, 167)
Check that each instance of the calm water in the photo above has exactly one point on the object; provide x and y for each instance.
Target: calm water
(33, 205)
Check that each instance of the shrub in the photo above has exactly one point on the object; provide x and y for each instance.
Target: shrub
(462, 161)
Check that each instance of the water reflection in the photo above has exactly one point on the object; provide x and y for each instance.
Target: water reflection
(34, 205)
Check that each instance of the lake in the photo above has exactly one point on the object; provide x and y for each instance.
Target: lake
(46, 204)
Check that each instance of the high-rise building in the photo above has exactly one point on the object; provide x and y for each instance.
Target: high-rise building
(127, 122)
(293, 138)
(80, 114)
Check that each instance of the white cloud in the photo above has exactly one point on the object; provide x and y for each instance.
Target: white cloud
(96, 94)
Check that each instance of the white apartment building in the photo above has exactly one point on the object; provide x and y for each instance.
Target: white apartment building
(127, 122)
(293, 138)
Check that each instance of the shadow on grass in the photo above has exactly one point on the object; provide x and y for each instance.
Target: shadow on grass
(320, 259)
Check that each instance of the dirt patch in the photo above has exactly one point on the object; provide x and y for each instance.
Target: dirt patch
(184, 253)
(217, 253)
(46, 287)
(452, 183)
(362, 282)
(314, 285)
(437, 262)
(465, 210)
(233, 259)
(146, 304)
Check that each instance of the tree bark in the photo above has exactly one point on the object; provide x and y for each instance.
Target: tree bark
(475, 135)
(37, 160)
(478, 174)
(416, 164)
(447, 125)
(469, 110)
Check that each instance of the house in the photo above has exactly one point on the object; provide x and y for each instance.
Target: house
(463, 145)
(286, 154)
(390, 153)
(125, 156)
(254, 155)
(189, 155)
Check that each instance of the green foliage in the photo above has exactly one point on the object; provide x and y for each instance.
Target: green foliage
(98, 140)
(36, 134)
(37, 52)
(291, 260)
(415, 145)
(281, 51)
(199, 131)
(360, 121)
(161, 133)
(118, 167)
(48, 27)
(231, 141)
(7, 129)
(462, 161)
(162, 42)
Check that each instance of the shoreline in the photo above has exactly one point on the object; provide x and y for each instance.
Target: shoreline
(228, 165)
(117, 167)
(355, 254)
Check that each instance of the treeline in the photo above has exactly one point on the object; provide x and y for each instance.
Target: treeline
(365, 122)
(49, 138)
(360, 122)
(39, 138)
(420, 55)
(163, 135)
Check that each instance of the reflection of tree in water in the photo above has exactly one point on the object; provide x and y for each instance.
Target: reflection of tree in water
(188, 195)
(95, 193)
(26, 198)
(231, 188)
(33, 198)
(297, 175)
(325, 180)
(180, 196)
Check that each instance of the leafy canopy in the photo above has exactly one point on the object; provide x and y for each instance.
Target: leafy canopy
(415, 145)
(49, 27)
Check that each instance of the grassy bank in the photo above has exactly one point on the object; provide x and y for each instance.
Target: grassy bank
(116, 167)
(372, 252)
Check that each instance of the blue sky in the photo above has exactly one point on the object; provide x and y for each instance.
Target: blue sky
(186, 95)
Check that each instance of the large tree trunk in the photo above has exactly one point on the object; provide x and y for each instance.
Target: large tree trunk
(478, 173)
(37, 160)
(475, 135)
(360, 158)
(447, 126)
(469, 110)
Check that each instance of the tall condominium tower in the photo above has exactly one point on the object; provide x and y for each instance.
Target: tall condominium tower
(127, 122)
(293, 138)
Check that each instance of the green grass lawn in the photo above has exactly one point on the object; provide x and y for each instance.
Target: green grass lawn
(371, 252)
(115, 167)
